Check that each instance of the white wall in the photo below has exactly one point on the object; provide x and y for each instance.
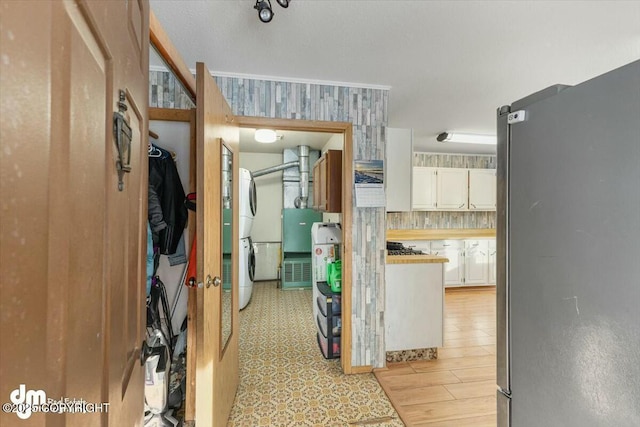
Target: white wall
(267, 225)
(335, 143)
(174, 136)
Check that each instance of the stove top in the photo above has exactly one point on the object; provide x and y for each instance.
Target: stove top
(397, 248)
(404, 252)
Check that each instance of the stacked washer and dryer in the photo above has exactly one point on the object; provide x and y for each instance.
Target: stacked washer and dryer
(247, 265)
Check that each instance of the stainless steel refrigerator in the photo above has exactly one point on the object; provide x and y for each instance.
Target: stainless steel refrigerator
(568, 236)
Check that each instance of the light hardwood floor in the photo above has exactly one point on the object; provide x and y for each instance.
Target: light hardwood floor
(458, 389)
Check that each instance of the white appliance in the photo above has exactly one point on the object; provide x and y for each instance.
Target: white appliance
(247, 271)
(248, 202)
(325, 238)
(267, 260)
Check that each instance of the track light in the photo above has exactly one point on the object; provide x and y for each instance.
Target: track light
(265, 11)
(467, 138)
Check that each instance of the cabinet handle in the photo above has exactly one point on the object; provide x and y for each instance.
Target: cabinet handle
(462, 205)
(473, 206)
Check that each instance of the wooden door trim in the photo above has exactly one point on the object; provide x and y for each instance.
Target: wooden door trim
(346, 129)
(165, 48)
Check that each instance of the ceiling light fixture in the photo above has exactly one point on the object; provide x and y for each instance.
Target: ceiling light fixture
(265, 11)
(266, 136)
(467, 138)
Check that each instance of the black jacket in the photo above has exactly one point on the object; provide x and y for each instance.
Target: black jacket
(167, 211)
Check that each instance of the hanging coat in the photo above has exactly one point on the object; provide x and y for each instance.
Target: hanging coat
(167, 211)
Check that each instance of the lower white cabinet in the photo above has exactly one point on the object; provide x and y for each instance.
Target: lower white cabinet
(471, 262)
(454, 269)
(492, 261)
(476, 262)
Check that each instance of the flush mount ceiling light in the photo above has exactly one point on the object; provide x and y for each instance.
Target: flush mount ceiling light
(265, 11)
(467, 138)
(266, 136)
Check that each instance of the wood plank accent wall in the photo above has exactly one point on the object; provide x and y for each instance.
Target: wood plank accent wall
(367, 110)
(446, 219)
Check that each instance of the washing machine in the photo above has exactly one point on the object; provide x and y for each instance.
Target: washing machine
(248, 202)
(247, 271)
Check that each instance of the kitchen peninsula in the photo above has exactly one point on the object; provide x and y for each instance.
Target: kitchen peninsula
(414, 296)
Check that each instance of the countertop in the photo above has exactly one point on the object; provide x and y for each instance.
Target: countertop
(440, 233)
(415, 259)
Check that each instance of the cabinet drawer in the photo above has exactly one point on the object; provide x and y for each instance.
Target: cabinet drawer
(329, 326)
(328, 302)
(330, 347)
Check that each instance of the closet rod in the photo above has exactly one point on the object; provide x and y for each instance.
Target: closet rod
(162, 43)
(153, 135)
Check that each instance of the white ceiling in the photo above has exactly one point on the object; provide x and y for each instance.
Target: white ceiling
(449, 64)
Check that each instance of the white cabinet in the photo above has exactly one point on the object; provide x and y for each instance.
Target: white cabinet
(414, 300)
(492, 261)
(482, 189)
(471, 262)
(452, 189)
(398, 163)
(454, 269)
(476, 262)
(424, 188)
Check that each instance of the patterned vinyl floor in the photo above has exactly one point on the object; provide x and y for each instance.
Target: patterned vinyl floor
(285, 380)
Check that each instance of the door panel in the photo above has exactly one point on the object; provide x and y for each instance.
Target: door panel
(217, 374)
(72, 258)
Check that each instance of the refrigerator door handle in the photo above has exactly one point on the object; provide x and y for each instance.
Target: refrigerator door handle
(502, 251)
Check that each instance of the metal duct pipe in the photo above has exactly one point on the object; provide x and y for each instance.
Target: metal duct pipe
(277, 168)
(226, 179)
(303, 158)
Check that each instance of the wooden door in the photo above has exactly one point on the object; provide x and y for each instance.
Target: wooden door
(73, 245)
(216, 370)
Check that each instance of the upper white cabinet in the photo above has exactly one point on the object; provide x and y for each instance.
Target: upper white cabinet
(452, 190)
(424, 188)
(482, 189)
(398, 162)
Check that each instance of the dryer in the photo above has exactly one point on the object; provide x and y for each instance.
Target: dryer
(247, 271)
(248, 202)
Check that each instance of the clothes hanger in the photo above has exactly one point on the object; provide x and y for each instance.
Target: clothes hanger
(153, 150)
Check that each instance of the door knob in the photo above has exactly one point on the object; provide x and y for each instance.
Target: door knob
(216, 281)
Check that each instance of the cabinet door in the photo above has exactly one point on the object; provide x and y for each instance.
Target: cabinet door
(454, 269)
(333, 178)
(482, 189)
(316, 187)
(476, 260)
(424, 188)
(398, 162)
(322, 178)
(452, 189)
